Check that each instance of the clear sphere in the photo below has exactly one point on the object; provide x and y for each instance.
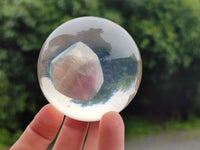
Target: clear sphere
(89, 66)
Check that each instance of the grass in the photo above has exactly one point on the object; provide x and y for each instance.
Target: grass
(139, 126)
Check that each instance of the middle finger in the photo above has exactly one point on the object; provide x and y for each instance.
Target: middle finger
(71, 135)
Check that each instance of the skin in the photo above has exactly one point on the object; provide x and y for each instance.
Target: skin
(107, 134)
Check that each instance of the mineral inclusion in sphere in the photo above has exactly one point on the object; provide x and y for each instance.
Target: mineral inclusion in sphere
(89, 66)
(77, 69)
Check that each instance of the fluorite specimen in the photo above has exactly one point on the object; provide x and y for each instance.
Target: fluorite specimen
(77, 72)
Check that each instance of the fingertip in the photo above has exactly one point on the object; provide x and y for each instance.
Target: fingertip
(112, 119)
(49, 112)
(47, 122)
(75, 124)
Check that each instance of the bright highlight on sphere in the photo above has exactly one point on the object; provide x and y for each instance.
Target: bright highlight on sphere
(89, 66)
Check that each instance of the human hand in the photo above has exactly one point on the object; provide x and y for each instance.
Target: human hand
(108, 134)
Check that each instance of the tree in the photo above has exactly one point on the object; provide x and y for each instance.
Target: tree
(167, 34)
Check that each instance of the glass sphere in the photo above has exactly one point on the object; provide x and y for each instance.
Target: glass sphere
(89, 66)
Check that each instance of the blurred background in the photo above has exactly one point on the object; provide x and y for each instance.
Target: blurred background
(167, 34)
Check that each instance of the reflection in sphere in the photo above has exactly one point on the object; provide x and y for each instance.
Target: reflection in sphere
(89, 66)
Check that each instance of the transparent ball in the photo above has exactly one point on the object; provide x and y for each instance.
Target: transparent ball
(89, 66)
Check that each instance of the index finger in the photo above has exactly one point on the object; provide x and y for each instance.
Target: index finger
(41, 131)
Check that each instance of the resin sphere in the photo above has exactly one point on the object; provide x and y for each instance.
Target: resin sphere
(89, 66)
